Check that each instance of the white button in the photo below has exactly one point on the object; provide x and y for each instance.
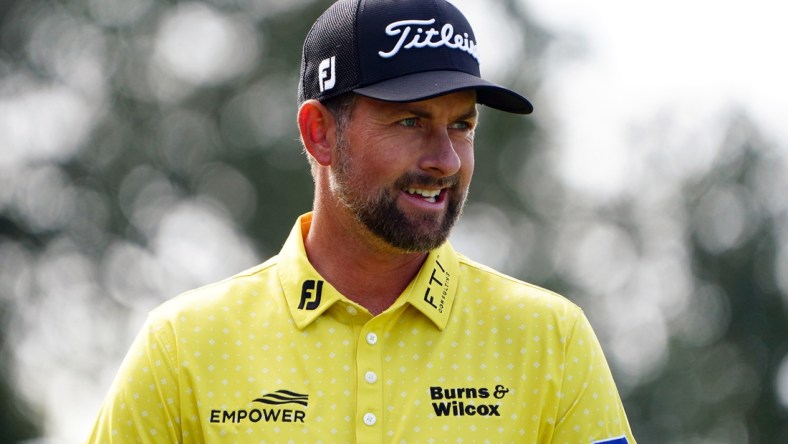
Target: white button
(371, 377)
(370, 419)
(372, 339)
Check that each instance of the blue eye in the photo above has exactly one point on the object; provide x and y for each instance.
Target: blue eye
(410, 122)
(463, 125)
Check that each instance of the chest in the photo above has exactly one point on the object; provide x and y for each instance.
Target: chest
(395, 380)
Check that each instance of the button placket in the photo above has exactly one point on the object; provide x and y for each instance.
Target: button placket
(370, 392)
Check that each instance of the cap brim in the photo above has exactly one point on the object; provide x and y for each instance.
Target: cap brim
(426, 85)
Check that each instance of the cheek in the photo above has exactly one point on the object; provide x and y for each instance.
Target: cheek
(371, 166)
(380, 156)
(467, 159)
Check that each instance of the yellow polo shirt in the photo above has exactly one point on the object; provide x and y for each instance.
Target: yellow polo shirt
(277, 355)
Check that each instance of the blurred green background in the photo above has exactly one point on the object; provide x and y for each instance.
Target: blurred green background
(149, 146)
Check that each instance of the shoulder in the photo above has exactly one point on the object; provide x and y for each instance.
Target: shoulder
(253, 285)
(483, 285)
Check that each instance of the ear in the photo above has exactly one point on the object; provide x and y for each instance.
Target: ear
(318, 131)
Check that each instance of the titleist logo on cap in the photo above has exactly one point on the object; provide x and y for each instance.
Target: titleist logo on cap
(427, 38)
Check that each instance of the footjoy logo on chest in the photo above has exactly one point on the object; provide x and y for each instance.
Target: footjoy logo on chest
(279, 406)
(311, 294)
(467, 401)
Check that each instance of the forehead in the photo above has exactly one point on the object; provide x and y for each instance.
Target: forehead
(455, 104)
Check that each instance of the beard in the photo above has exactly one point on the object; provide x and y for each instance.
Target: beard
(379, 212)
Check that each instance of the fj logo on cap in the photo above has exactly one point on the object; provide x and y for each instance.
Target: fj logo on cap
(327, 76)
(427, 38)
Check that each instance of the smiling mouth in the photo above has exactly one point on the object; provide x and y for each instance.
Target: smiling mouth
(430, 196)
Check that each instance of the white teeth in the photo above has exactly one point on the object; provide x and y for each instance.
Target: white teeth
(428, 195)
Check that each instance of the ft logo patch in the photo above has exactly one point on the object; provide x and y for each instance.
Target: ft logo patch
(311, 294)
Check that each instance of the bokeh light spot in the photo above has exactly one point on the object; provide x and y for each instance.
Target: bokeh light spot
(203, 46)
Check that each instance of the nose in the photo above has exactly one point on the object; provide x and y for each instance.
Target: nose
(440, 156)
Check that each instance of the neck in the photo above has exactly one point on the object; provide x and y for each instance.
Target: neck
(359, 265)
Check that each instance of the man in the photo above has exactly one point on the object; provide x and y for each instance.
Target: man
(368, 326)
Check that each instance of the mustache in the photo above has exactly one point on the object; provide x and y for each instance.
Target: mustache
(414, 179)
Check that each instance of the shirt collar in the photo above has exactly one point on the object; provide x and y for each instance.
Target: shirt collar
(308, 295)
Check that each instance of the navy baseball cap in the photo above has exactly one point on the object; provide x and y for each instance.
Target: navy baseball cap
(397, 51)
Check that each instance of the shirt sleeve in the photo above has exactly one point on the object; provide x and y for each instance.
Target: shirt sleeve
(590, 408)
(142, 405)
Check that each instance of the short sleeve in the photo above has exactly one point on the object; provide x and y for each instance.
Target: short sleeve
(142, 404)
(590, 408)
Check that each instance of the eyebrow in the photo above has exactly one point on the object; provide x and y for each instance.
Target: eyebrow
(472, 114)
